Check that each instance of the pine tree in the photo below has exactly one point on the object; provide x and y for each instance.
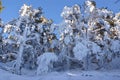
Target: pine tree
(31, 33)
(21, 32)
(69, 31)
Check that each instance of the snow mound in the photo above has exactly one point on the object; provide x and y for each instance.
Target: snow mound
(115, 47)
(80, 51)
(45, 62)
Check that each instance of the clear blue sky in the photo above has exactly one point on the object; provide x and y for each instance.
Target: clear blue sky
(51, 8)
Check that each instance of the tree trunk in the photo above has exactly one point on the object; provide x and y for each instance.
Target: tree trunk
(18, 64)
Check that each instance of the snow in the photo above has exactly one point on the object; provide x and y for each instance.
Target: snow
(67, 75)
(67, 40)
(25, 9)
(115, 46)
(69, 12)
(90, 6)
(45, 62)
(7, 28)
(80, 51)
(92, 45)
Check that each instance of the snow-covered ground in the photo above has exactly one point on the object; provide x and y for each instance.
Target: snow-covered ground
(67, 75)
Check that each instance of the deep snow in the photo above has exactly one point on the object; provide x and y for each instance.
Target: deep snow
(67, 75)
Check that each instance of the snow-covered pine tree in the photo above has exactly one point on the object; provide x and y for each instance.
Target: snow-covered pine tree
(96, 31)
(114, 47)
(32, 35)
(102, 31)
(70, 31)
(21, 32)
(49, 47)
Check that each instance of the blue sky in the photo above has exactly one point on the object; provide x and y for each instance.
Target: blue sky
(51, 8)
